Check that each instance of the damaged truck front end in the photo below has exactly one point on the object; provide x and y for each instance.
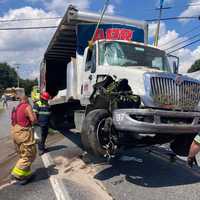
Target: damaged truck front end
(170, 106)
(141, 101)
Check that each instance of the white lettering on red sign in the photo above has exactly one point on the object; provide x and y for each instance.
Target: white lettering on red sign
(114, 34)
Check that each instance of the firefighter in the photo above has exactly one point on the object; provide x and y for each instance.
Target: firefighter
(22, 120)
(194, 149)
(42, 110)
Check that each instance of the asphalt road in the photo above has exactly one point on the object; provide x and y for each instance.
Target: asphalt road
(38, 189)
(5, 119)
(156, 178)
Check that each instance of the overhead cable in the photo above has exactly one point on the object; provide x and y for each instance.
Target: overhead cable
(191, 30)
(184, 46)
(174, 7)
(30, 19)
(25, 28)
(173, 18)
(181, 42)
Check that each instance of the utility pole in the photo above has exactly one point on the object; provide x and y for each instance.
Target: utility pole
(158, 26)
(17, 67)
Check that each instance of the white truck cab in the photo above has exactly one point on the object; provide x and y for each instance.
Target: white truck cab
(121, 59)
(156, 101)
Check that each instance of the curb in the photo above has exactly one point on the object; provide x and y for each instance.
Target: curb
(56, 183)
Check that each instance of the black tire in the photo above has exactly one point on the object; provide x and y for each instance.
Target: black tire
(90, 129)
(84, 132)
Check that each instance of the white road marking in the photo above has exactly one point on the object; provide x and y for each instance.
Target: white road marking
(56, 183)
(7, 184)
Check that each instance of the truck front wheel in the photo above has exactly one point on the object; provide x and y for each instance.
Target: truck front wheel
(93, 135)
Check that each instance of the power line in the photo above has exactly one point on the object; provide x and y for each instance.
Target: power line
(26, 28)
(175, 7)
(185, 46)
(30, 19)
(191, 30)
(190, 38)
(194, 3)
(164, 8)
(58, 17)
(172, 18)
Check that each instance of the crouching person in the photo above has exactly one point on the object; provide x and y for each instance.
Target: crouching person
(22, 120)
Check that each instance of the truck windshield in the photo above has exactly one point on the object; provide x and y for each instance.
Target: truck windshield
(116, 53)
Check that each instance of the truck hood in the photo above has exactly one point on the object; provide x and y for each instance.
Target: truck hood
(135, 76)
(159, 89)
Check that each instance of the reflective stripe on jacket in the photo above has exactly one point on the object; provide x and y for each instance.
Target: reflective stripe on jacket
(43, 112)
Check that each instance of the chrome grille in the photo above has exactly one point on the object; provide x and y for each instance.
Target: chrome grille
(168, 93)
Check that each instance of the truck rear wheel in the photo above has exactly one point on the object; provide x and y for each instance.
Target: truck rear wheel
(93, 137)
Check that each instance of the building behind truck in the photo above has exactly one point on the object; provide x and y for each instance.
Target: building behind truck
(120, 92)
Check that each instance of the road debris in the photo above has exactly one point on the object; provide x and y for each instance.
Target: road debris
(82, 174)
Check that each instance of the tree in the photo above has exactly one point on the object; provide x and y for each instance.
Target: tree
(195, 67)
(8, 78)
(28, 85)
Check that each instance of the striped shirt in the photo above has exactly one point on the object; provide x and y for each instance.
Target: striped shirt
(42, 110)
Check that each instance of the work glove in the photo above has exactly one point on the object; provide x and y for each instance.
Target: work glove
(191, 161)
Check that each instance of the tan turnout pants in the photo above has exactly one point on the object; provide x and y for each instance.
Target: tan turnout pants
(23, 138)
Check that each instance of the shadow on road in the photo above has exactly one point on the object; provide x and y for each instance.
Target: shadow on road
(37, 188)
(74, 137)
(153, 172)
(44, 173)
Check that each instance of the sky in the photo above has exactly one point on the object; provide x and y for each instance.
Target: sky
(27, 47)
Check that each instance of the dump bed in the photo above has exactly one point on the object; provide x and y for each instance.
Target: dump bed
(66, 42)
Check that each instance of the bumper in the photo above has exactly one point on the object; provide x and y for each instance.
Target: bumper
(154, 121)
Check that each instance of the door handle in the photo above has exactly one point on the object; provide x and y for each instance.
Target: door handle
(90, 77)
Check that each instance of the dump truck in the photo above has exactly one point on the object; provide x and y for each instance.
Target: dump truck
(121, 91)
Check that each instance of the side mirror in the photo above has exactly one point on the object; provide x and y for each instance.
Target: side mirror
(88, 66)
(174, 60)
(93, 67)
(175, 67)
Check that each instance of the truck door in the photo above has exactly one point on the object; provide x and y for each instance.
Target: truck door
(89, 75)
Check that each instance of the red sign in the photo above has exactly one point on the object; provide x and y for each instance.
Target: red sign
(114, 34)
